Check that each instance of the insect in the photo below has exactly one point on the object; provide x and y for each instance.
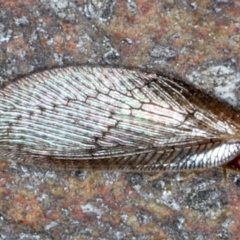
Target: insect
(104, 118)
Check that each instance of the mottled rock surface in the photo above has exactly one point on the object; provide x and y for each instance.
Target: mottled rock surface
(197, 41)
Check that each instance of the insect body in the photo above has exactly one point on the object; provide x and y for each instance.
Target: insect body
(114, 119)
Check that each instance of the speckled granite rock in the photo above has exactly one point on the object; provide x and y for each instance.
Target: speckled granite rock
(197, 41)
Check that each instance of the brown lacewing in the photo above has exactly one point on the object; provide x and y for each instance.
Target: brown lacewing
(106, 118)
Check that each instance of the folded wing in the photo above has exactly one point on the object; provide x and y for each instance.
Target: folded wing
(88, 114)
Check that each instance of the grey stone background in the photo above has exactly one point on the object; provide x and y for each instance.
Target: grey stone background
(197, 41)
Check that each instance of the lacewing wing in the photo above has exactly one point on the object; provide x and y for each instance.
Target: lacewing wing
(103, 118)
